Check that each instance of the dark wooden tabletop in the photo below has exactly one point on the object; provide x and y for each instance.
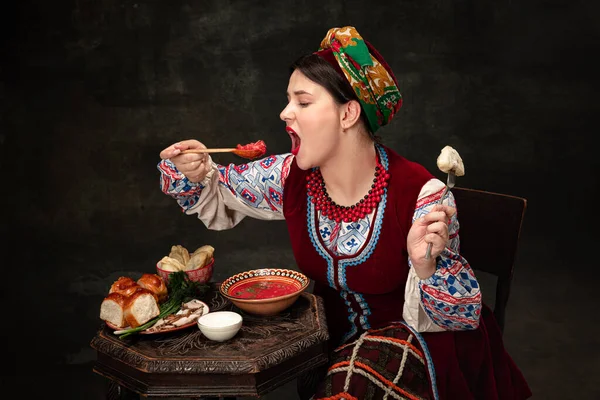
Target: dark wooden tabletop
(267, 352)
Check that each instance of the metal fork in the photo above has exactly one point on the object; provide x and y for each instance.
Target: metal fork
(449, 185)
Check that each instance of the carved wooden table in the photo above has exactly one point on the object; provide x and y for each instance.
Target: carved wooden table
(266, 353)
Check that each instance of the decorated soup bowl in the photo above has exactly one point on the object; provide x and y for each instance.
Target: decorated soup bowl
(266, 291)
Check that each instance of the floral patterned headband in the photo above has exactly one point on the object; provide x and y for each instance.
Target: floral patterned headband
(366, 71)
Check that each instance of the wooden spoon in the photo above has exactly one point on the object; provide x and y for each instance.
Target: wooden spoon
(249, 151)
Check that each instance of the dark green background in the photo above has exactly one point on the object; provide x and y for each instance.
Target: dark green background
(93, 90)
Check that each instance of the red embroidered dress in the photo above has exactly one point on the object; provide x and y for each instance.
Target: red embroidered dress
(371, 282)
(366, 291)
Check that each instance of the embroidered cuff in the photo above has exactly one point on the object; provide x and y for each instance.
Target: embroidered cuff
(177, 185)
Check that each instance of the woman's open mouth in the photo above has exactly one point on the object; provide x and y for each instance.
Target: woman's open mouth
(295, 140)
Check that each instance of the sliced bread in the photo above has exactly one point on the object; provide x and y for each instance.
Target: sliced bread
(141, 307)
(112, 309)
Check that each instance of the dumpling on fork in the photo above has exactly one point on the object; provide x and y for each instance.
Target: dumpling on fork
(450, 161)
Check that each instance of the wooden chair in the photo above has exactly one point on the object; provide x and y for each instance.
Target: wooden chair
(490, 226)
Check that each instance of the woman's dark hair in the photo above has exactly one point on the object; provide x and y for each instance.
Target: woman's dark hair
(321, 72)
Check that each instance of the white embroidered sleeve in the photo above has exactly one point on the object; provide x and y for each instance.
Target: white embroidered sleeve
(230, 193)
(451, 298)
(413, 312)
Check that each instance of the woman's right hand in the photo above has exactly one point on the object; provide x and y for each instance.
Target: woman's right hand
(193, 166)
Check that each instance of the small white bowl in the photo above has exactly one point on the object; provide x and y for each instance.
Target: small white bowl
(220, 325)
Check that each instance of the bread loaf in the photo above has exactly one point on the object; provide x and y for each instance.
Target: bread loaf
(155, 284)
(124, 285)
(141, 307)
(112, 309)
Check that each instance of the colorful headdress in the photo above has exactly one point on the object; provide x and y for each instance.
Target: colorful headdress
(366, 71)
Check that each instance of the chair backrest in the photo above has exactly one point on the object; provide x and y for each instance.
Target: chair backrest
(490, 226)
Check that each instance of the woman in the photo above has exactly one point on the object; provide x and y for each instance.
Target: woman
(360, 218)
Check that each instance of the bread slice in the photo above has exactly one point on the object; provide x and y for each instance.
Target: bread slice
(141, 307)
(112, 309)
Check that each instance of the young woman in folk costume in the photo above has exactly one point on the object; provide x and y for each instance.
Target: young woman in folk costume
(360, 218)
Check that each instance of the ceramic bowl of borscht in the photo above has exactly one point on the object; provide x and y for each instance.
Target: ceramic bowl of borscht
(266, 291)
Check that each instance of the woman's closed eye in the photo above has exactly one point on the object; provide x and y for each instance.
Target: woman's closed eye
(303, 105)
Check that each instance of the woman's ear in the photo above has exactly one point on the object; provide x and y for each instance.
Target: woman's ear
(350, 114)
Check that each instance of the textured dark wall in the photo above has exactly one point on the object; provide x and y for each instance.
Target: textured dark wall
(93, 90)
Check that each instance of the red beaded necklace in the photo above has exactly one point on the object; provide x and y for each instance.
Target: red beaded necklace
(322, 201)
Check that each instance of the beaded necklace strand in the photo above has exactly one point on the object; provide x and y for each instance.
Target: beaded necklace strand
(319, 197)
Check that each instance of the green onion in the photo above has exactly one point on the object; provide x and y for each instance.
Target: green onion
(180, 290)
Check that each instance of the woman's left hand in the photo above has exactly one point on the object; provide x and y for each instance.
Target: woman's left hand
(430, 228)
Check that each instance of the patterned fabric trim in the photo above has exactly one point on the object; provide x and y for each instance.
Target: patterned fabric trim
(364, 321)
(177, 185)
(352, 314)
(365, 311)
(314, 238)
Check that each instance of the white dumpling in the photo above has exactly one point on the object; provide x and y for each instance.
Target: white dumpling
(180, 253)
(198, 260)
(205, 249)
(450, 161)
(171, 264)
